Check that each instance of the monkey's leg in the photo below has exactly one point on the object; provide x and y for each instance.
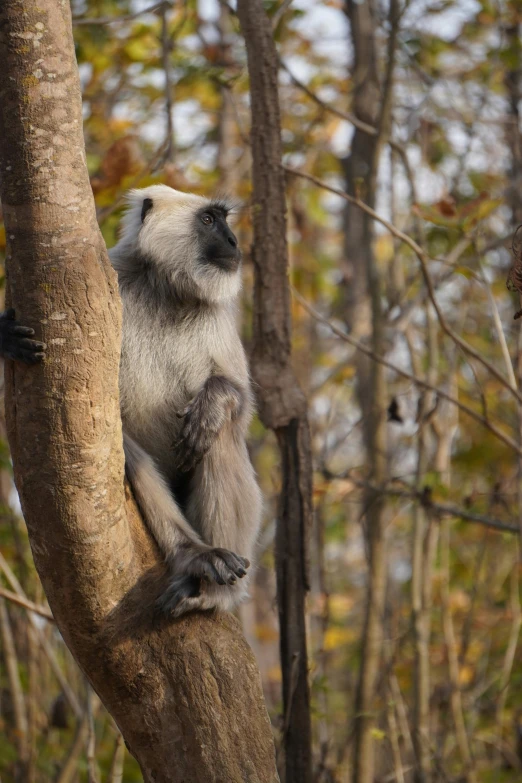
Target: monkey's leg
(15, 342)
(220, 400)
(224, 505)
(188, 556)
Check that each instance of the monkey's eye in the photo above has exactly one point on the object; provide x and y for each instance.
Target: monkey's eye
(207, 219)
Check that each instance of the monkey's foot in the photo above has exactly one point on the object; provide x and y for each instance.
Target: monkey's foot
(183, 593)
(15, 342)
(180, 596)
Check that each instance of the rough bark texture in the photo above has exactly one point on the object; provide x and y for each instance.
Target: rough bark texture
(186, 695)
(282, 405)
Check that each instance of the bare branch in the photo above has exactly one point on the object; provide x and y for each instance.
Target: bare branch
(79, 20)
(437, 509)
(26, 604)
(423, 258)
(409, 376)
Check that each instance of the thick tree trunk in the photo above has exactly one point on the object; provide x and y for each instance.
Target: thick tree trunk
(281, 401)
(186, 695)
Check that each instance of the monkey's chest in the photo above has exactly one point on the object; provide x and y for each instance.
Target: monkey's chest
(159, 375)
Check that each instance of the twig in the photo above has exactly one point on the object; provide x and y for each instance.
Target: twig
(453, 664)
(394, 741)
(357, 123)
(68, 773)
(92, 767)
(78, 20)
(165, 55)
(26, 604)
(499, 329)
(15, 685)
(405, 374)
(55, 666)
(423, 551)
(438, 509)
(280, 13)
(511, 649)
(423, 258)
(117, 762)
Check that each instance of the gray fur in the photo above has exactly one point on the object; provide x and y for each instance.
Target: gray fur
(186, 403)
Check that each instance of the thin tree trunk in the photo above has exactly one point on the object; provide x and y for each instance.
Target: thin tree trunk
(424, 549)
(281, 401)
(513, 82)
(363, 314)
(186, 695)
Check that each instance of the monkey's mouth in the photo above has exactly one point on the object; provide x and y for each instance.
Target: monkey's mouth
(228, 263)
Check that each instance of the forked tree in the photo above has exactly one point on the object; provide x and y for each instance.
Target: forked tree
(186, 695)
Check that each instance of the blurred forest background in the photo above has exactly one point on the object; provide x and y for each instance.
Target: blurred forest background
(404, 341)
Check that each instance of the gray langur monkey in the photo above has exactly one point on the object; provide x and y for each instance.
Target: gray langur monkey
(185, 394)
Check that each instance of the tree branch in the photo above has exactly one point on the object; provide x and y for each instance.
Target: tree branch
(26, 604)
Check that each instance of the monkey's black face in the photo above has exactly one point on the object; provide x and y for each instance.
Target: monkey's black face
(217, 243)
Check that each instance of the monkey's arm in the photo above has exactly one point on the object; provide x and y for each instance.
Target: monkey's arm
(15, 342)
(189, 558)
(220, 400)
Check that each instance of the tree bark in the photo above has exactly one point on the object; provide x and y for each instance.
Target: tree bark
(186, 695)
(282, 404)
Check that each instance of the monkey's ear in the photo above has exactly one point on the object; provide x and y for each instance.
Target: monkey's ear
(146, 207)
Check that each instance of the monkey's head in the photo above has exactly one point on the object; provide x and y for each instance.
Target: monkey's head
(186, 238)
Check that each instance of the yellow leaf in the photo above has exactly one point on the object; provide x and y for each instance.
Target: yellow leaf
(337, 637)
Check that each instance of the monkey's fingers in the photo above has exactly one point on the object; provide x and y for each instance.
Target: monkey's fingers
(21, 355)
(11, 326)
(190, 449)
(210, 564)
(236, 564)
(186, 459)
(20, 331)
(24, 350)
(220, 565)
(31, 345)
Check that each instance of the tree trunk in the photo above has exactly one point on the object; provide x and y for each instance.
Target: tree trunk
(186, 695)
(281, 402)
(364, 316)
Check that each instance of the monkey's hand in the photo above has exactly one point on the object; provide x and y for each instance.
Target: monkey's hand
(15, 342)
(218, 401)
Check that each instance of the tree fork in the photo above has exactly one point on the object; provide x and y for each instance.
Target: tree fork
(186, 695)
(282, 405)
